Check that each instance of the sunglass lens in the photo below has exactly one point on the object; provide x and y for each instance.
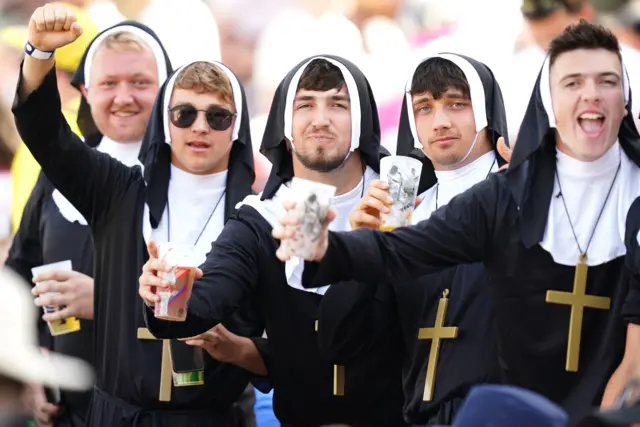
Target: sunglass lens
(183, 116)
(219, 118)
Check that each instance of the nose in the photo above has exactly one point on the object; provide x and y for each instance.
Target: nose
(591, 91)
(440, 119)
(124, 95)
(320, 117)
(200, 125)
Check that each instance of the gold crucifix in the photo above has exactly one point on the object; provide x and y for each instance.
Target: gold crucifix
(435, 334)
(166, 373)
(578, 300)
(338, 375)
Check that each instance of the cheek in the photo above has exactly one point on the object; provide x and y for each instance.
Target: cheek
(146, 98)
(423, 128)
(100, 102)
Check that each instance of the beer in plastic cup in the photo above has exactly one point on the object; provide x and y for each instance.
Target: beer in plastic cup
(312, 200)
(63, 326)
(402, 173)
(173, 304)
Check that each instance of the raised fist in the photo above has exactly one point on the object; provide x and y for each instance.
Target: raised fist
(53, 26)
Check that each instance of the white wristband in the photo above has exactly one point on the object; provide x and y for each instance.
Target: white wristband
(32, 51)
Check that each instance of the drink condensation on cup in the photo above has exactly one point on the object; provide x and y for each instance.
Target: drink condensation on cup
(173, 304)
(312, 200)
(402, 174)
(63, 326)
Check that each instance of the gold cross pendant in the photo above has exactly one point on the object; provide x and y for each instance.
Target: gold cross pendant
(578, 300)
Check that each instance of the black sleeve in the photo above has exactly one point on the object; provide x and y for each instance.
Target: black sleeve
(352, 318)
(230, 275)
(92, 181)
(631, 306)
(264, 384)
(26, 249)
(459, 233)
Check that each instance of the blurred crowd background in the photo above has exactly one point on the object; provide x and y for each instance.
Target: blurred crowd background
(260, 40)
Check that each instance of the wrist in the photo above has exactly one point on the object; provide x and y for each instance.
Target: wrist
(37, 52)
(242, 347)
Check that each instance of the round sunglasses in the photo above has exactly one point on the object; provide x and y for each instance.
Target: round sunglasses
(218, 118)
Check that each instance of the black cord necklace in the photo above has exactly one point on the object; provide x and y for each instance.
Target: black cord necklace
(203, 228)
(438, 184)
(583, 254)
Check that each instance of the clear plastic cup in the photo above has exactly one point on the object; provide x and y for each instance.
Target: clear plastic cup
(173, 304)
(402, 173)
(63, 326)
(313, 200)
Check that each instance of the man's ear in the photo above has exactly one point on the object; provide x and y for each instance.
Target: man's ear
(84, 92)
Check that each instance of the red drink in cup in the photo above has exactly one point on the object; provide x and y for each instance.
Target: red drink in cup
(173, 303)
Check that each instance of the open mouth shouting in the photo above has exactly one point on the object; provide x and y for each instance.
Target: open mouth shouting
(592, 123)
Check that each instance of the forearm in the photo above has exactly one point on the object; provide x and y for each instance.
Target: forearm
(632, 346)
(33, 73)
(248, 357)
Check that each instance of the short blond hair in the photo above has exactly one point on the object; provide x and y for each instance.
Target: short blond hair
(205, 77)
(125, 40)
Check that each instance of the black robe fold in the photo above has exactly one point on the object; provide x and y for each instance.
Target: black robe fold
(484, 225)
(111, 197)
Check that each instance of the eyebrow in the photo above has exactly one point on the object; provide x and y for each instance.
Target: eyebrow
(603, 74)
(138, 74)
(337, 97)
(428, 98)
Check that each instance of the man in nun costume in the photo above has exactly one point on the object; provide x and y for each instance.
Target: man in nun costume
(323, 126)
(197, 166)
(452, 118)
(119, 74)
(550, 231)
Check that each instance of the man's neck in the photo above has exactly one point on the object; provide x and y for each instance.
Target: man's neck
(345, 178)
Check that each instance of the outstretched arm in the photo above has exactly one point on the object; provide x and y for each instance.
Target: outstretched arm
(459, 233)
(230, 273)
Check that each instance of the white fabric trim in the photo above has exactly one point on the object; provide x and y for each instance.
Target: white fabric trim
(148, 38)
(354, 96)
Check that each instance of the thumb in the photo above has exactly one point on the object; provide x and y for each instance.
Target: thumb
(76, 30)
(199, 274)
(503, 150)
(152, 248)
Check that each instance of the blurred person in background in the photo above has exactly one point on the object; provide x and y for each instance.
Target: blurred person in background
(9, 140)
(25, 169)
(21, 361)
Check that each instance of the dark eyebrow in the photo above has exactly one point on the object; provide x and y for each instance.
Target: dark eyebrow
(604, 74)
(449, 95)
(342, 98)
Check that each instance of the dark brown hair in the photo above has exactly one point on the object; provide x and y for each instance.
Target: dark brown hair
(321, 75)
(437, 75)
(583, 35)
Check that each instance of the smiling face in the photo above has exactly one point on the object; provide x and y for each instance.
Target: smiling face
(588, 101)
(197, 147)
(123, 87)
